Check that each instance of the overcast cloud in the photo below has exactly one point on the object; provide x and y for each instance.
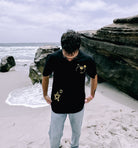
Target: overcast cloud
(46, 20)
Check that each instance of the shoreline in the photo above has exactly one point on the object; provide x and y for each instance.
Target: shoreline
(107, 122)
(104, 88)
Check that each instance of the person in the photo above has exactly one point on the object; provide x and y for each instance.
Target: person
(69, 67)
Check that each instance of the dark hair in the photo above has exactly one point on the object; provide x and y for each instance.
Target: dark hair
(70, 41)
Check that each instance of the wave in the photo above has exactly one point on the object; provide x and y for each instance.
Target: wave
(28, 44)
(30, 96)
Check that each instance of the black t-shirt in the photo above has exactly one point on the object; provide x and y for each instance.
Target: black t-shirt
(68, 90)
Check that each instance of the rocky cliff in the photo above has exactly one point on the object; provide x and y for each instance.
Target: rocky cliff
(36, 68)
(115, 50)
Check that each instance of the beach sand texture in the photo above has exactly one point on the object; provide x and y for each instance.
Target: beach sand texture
(110, 120)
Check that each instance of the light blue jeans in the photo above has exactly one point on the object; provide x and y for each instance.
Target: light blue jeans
(57, 126)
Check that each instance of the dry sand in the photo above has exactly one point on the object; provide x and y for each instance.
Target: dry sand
(110, 120)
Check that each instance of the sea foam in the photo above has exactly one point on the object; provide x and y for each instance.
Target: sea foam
(30, 96)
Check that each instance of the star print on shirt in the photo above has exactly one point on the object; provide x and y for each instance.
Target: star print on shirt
(58, 95)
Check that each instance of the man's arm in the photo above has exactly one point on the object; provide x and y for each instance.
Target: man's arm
(93, 89)
(45, 83)
(93, 86)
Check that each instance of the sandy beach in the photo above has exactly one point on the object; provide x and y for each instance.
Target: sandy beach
(110, 120)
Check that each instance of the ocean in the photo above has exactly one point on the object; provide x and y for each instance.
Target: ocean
(24, 54)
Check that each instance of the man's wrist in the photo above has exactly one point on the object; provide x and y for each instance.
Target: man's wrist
(93, 93)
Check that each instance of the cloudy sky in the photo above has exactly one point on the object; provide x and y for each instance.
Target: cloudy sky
(46, 20)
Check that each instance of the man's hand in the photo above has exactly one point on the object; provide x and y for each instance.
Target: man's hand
(48, 99)
(88, 99)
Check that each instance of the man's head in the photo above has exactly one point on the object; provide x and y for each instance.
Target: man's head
(70, 42)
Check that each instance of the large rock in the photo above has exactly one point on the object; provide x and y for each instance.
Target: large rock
(115, 50)
(7, 63)
(36, 68)
(130, 20)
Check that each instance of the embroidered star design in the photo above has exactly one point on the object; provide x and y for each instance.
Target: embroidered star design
(57, 96)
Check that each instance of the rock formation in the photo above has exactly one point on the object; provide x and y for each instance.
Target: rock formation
(115, 50)
(36, 68)
(7, 63)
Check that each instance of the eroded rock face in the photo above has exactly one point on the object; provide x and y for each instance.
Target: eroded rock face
(115, 50)
(7, 63)
(130, 20)
(36, 68)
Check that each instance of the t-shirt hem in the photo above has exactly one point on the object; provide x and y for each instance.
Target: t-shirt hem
(67, 112)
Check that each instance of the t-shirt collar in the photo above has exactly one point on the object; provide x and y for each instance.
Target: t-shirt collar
(79, 53)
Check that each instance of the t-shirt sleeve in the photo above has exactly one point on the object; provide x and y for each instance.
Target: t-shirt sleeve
(48, 68)
(91, 68)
